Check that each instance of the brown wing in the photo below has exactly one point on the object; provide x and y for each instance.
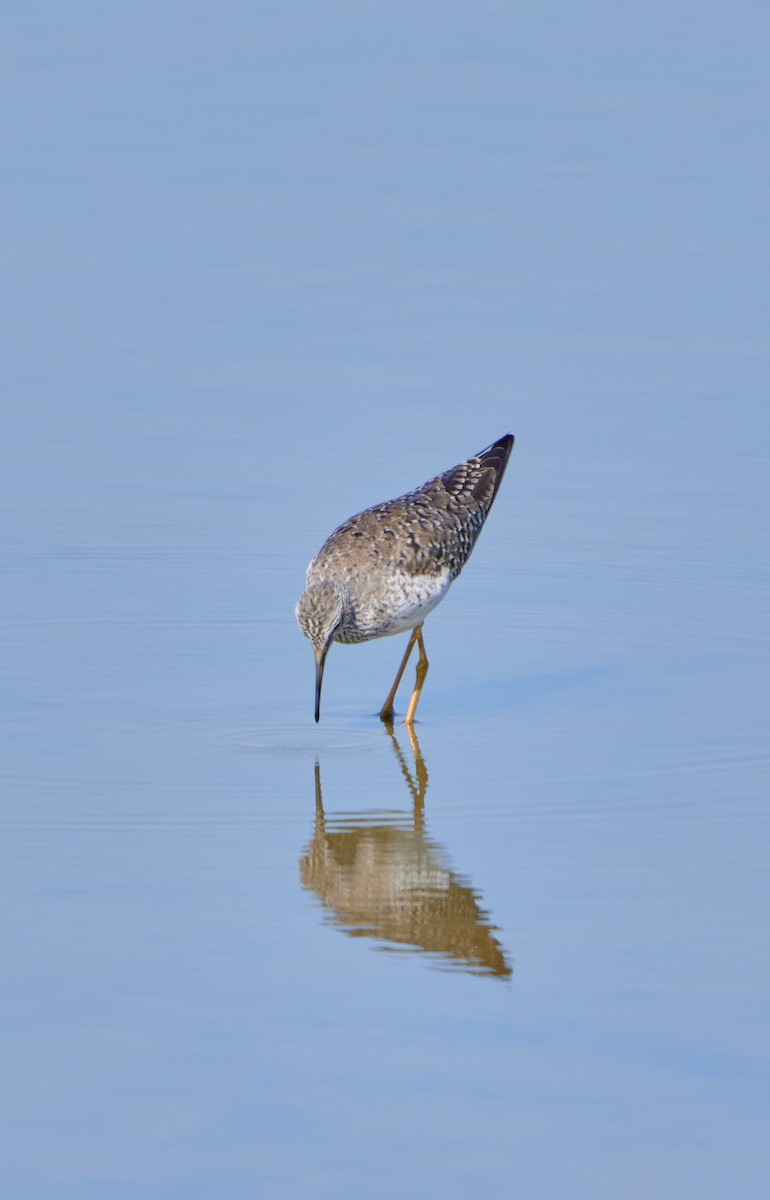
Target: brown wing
(433, 527)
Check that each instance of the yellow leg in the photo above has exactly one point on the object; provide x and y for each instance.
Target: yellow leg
(386, 712)
(422, 671)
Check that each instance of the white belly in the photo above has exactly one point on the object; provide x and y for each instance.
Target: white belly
(406, 603)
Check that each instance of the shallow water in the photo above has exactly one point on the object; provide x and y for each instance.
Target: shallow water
(265, 271)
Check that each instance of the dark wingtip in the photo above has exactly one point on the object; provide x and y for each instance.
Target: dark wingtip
(496, 456)
(499, 450)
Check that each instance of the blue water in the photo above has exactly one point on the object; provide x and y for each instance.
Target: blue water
(264, 267)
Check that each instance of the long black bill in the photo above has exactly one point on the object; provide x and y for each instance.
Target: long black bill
(320, 659)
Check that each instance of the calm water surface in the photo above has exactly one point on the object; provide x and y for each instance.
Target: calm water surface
(262, 271)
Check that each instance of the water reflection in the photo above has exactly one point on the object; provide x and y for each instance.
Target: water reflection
(380, 875)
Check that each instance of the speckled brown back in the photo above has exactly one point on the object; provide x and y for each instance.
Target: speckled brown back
(433, 528)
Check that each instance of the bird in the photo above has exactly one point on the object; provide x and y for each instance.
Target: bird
(385, 569)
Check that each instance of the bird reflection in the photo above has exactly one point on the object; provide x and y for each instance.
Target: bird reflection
(380, 875)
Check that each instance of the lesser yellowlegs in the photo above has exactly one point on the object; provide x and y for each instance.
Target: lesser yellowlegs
(384, 570)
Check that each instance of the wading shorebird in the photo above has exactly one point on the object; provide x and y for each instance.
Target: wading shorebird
(385, 569)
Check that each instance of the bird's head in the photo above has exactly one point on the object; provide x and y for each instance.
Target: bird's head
(320, 613)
